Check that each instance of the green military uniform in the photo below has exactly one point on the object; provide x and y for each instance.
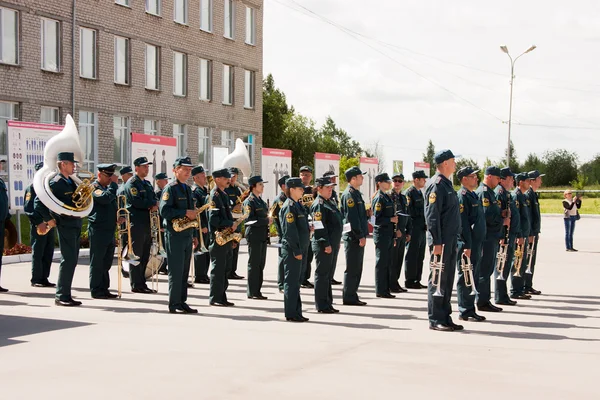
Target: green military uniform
(121, 192)
(307, 261)
(234, 193)
(415, 251)
(277, 204)
(219, 219)
(257, 235)
(69, 232)
(334, 199)
(384, 232)
(296, 233)
(201, 260)
(140, 199)
(354, 212)
(525, 230)
(42, 246)
(158, 194)
(3, 216)
(175, 201)
(102, 223)
(330, 236)
(404, 226)
(506, 203)
(536, 228)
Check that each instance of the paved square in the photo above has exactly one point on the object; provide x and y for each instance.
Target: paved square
(132, 348)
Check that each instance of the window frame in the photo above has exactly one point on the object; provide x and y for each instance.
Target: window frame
(158, 7)
(186, 12)
(252, 15)
(128, 3)
(231, 81)
(127, 61)
(124, 158)
(205, 137)
(184, 73)
(210, 16)
(86, 162)
(43, 21)
(157, 58)
(17, 32)
(182, 139)
(252, 87)
(94, 53)
(55, 112)
(14, 115)
(209, 78)
(230, 140)
(156, 131)
(229, 24)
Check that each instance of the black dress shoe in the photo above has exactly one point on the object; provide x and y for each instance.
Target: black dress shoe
(188, 309)
(259, 297)
(402, 290)
(229, 304)
(37, 284)
(395, 290)
(334, 282)
(335, 310)
(178, 309)
(327, 311)
(413, 285)
(473, 317)
(235, 276)
(507, 302)
(67, 303)
(354, 303)
(218, 304)
(296, 319)
(280, 290)
(386, 296)
(110, 295)
(532, 291)
(520, 296)
(125, 274)
(47, 283)
(489, 307)
(457, 327)
(190, 285)
(101, 296)
(307, 285)
(202, 280)
(441, 327)
(305, 319)
(2, 290)
(421, 286)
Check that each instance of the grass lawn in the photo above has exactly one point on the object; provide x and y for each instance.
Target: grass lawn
(554, 206)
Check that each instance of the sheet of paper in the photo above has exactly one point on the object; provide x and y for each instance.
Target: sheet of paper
(251, 222)
(275, 245)
(346, 228)
(372, 220)
(318, 225)
(402, 215)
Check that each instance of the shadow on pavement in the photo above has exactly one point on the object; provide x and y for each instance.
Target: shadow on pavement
(527, 335)
(16, 326)
(541, 324)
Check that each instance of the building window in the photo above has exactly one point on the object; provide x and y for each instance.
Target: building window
(8, 112)
(153, 7)
(250, 25)
(9, 36)
(205, 79)
(88, 133)
(122, 149)
(87, 53)
(180, 133)
(229, 19)
(151, 127)
(152, 67)
(206, 10)
(249, 141)
(227, 84)
(181, 11)
(50, 115)
(227, 139)
(179, 74)
(50, 35)
(121, 60)
(122, 3)
(249, 81)
(204, 145)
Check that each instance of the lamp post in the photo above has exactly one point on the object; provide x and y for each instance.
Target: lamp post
(512, 77)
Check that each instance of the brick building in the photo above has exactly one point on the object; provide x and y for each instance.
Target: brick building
(191, 69)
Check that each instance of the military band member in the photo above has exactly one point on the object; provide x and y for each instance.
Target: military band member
(536, 225)
(161, 181)
(126, 173)
(403, 232)
(415, 251)
(177, 202)
(140, 201)
(200, 192)
(306, 174)
(442, 213)
(69, 228)
(234, 192)
(101, 231)
(335, 200)
(296, 233)
(384, 232)
(325, 243)
(277, 204)
(3, 216)
(220, 219)
(355, 213)
(470, 241)
(524, 236)
(257, 235)
(507, 183)
(42, 246)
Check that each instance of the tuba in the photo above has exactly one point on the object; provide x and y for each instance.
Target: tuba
(240, 159)
(66, 140)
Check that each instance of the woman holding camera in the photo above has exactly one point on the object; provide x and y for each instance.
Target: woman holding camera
(571, 206)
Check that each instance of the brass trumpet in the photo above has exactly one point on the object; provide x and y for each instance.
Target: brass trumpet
(467, 269)
(501, 258)
(124, 229)
(437, 267)
(518, 260)
(530, 250)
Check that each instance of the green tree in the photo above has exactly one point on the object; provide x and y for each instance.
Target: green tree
(300, 136)
(591, 170)
(345, 163)
(332, 139)
(514, 161)
(560, 167)
(276, 115)
(428, 157)
(465, 162)
(532, 162)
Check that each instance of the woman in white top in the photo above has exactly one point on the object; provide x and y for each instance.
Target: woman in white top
(571, 205)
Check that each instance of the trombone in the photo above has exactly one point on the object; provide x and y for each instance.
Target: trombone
(201, 249)
(124, 229)
(156, 248)
(437, 267)
(467, 269)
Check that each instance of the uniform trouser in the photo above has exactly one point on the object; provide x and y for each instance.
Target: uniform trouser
(1, 243)
(466, 302)
(202, 262)
(384, 248)
(518, 282)
(415, 253)
(323, 276)
(102, 251)
(42, 252)
(397, 260)
(529, 277)
(354, 265)
(501, 292)
(234, 260)
(68, 239)
(179, 253)
(292, 267)
(486, 270)
(141, 243)
(257, 258)
(220, 257)
(280, 273)
(307, 265)
(165, 263)
(439, 308)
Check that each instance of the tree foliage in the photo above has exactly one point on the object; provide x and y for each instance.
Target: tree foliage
(532, 162)
(465, 162)
(345, 163)
(560, 167)
(428, 157)
(591, 170)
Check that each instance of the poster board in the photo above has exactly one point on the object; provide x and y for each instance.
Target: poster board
(218, 156)
(161, 151)
(398, 167)
(275, 163)
(371, 167)
(325, 162)
(422, 166)
(26, 144)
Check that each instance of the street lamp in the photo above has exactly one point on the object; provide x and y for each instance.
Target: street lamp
(512, 77)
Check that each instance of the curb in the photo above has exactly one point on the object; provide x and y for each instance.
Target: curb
(19, 258)
(583, 216)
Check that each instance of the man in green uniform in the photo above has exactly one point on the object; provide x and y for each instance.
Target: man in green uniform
(336, 202)
(402, 235)
(306, 174)
(234, 193)
(524, 237)
(42, 246)
(384, 232)
(3, 216)
(177, 202)
(69, 228)
(161, 181)
(536, 226)
(126, 173)
(276, 207)
(219, 220)
(200, 193)
(470, 241)
(355, 214)
(140, 201)
(102, 222)
(415, 252)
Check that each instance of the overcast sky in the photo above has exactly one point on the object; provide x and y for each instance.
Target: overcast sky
(402, 99)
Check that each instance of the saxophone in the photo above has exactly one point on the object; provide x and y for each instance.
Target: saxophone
(227, 235)
(181, 224)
